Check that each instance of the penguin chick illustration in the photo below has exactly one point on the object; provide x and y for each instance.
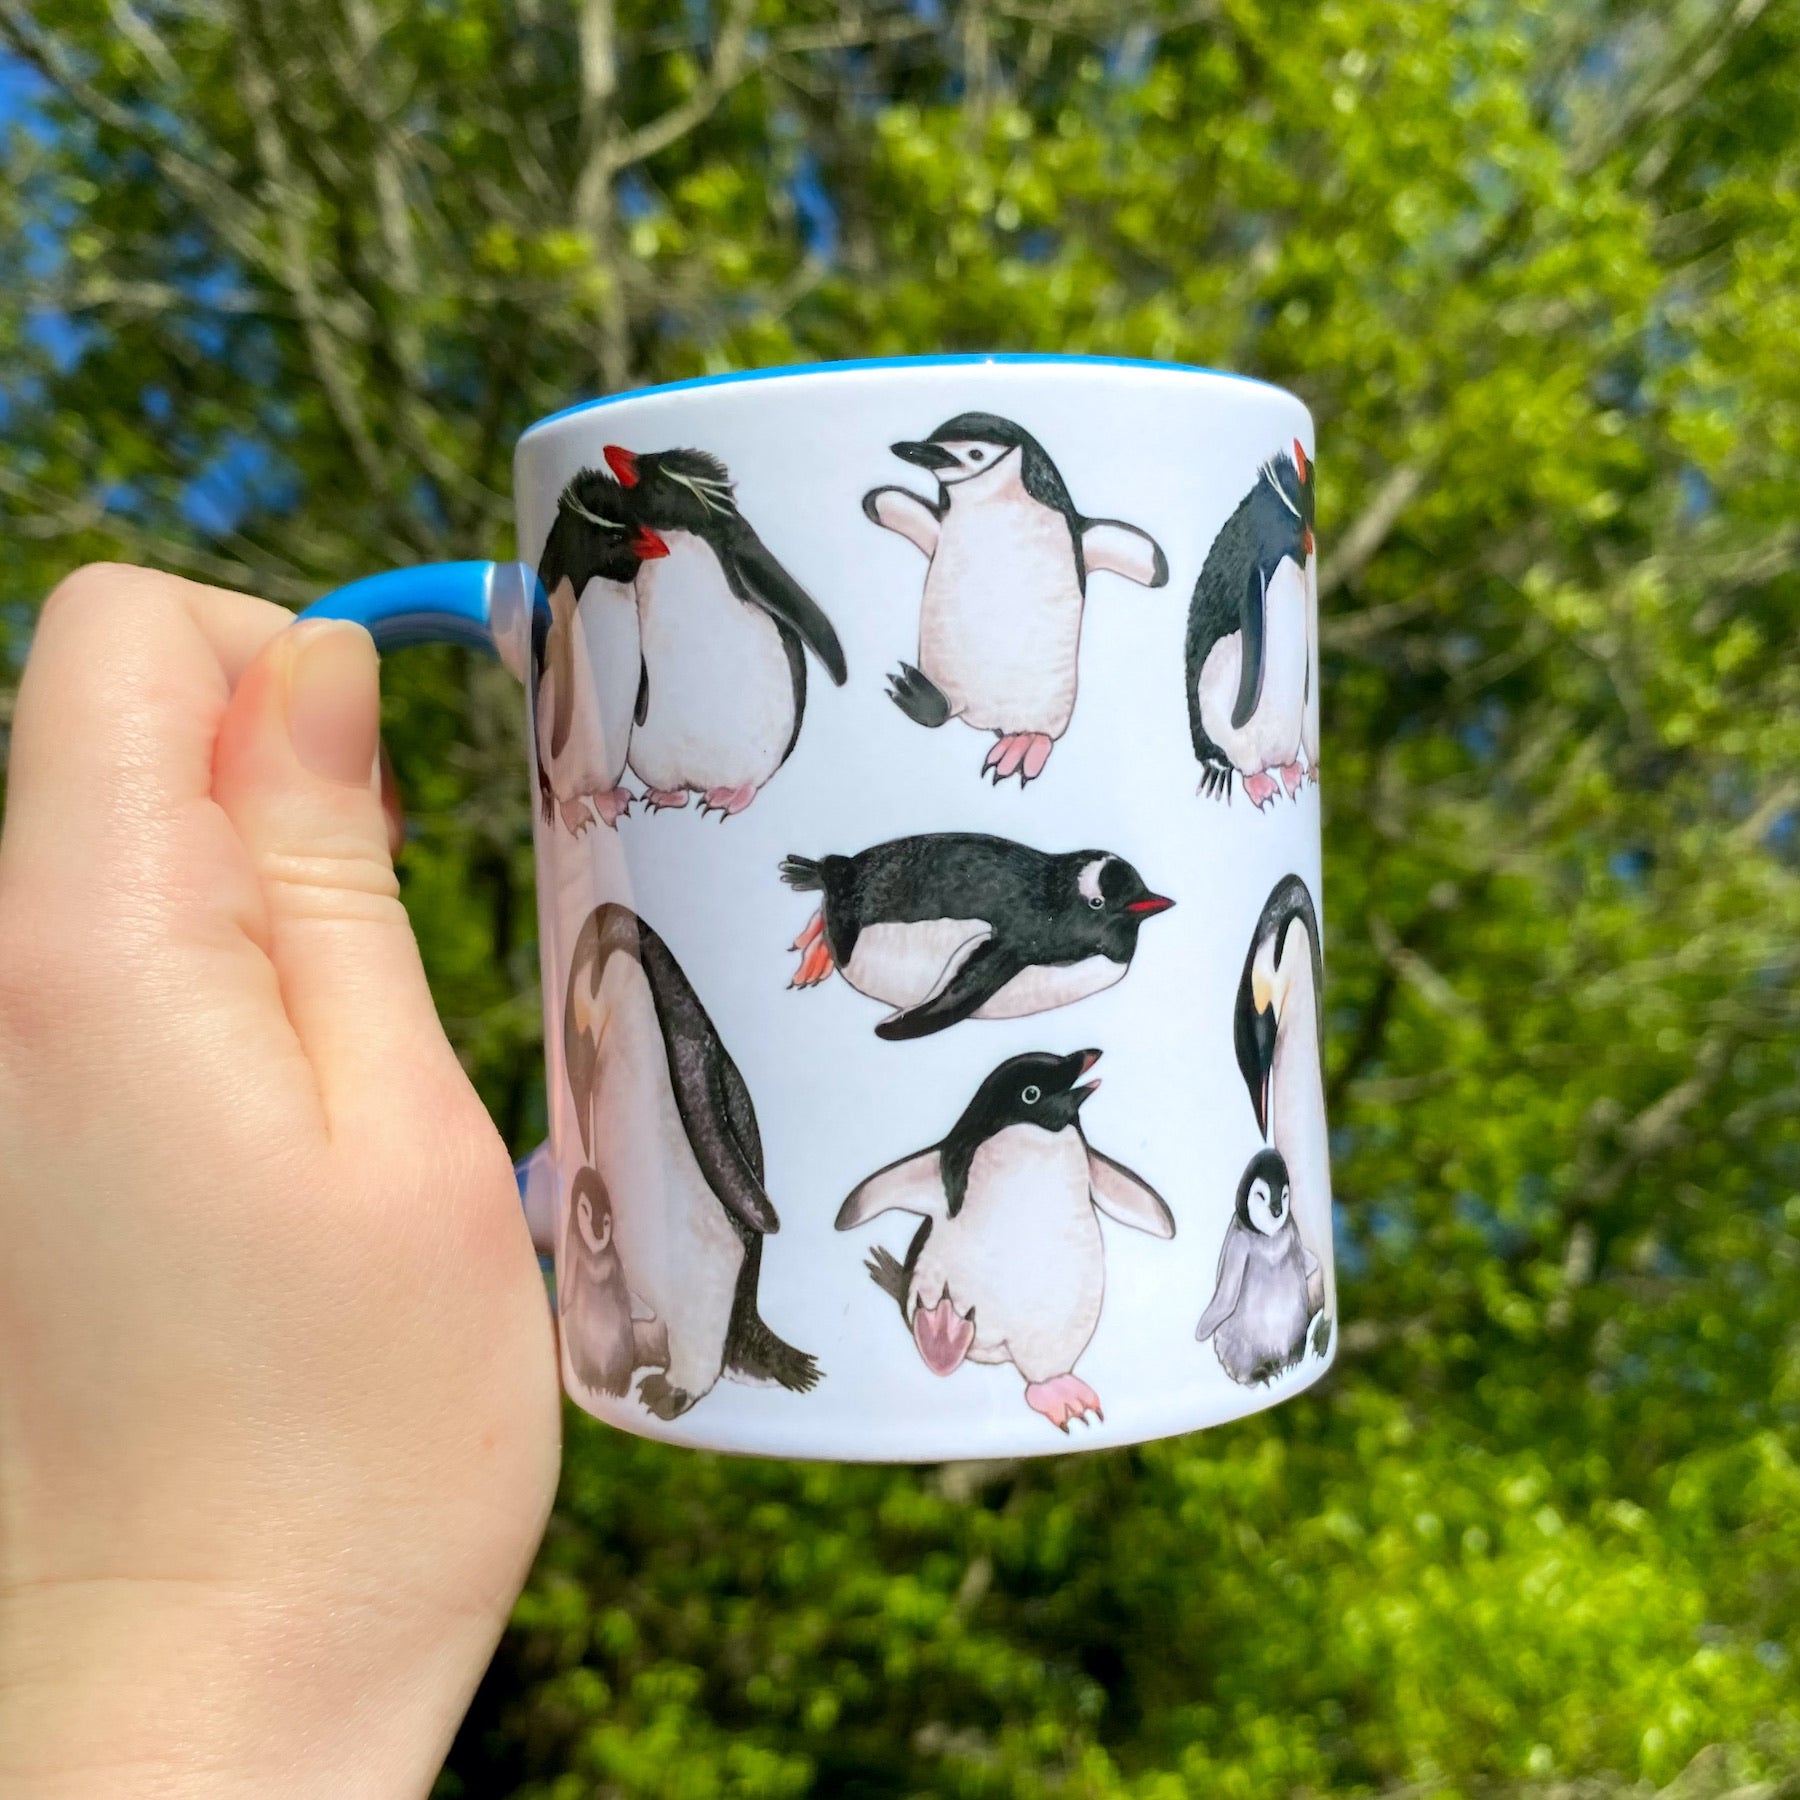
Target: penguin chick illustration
(1253, 641)
(607, 1334)
(1270, 1286)
(1279, 1029)
(1008, 559)
(725, 630)
(1008, 1264)
(668, 1124)
(586, 664)
(957, 925)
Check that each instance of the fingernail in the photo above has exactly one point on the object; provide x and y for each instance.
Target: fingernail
(334, 700)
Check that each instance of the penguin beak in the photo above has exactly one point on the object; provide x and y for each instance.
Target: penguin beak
(623, 463)
(646, 546)
(927, 456)
(1149, 905)
(1306, 541)
(1087, 1088)
(1253, 1032)
(1300, 461)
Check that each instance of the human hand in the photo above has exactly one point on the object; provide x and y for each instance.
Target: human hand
(278, 1393)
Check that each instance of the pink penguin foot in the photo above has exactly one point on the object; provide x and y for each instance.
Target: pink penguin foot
(1261, 788)
(726, 801)
(575, 814)
(943, 1334)
(815, 960)
(613, 806)
(1021, 753)
(664, 799)
(1312, 771)
(1065, 1398)
(1292, 775)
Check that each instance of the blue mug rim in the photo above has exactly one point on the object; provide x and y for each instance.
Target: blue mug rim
(859, 365)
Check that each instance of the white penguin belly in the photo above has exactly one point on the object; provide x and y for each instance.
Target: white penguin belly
(721, 703)
(1309, 721)
(1046, 985)
(582, 767)
(1024, 1250)
(1270, 737)
(676, 1245)
(608, 617)
(1297, 1114)
(906, 963)
(1000, 627)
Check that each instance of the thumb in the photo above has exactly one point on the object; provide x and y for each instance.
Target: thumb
(294, 769)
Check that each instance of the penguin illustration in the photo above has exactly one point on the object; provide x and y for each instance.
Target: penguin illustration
(586, 664)
(669, 1126)
(725, 629)
(1279, 1028)
(1253, 641)
(607, 1333)
(1008, 1264)
(956, 925)
(1008, 564)
(1270, 1286)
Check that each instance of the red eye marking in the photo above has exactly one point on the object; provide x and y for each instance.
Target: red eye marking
(623, 463)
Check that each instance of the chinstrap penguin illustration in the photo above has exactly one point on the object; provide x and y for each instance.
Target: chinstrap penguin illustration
(725, 631)
(607, 1334)
(585, 660)
(1279, 1032)
(1253, 641)
(1008, 1265)
(958, 925)
(668, 1125)
(1270, 1287)
(1008, 559)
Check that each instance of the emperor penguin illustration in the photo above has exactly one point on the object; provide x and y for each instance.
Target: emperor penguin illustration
(585, 659)
(956, 925)
(1008, 560)
(1253, 641)
(1008, 1265)
(607, 1333)
(725, 631)
(1270, 1287)
(668, 1125)
(1279, 1029)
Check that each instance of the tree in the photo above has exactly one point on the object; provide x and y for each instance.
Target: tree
(280, 285)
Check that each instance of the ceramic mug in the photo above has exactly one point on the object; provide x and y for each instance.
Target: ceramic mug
(908, 736)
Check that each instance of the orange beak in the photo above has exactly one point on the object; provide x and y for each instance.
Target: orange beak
(646, 546)
(623, 463)
(1300, 461)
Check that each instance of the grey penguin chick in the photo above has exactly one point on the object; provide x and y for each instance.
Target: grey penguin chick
(607, 1333)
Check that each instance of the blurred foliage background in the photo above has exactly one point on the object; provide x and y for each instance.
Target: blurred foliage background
(281, 279)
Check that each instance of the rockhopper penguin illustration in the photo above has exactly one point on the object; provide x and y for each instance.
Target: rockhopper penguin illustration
(607, 1334)
(1008, 560)
(586, 664)
(1279, 1029)
(1270, 1287)
(1253, 641)
(958, 925)
(725, 631)
(1009, 1265)
(667, 1123)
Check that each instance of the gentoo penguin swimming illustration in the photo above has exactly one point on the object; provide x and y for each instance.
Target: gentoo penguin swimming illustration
(1253, 640)
(607, 1335)
(1008, 1265)
(668, 1125)
(1279, 1030)
(725, 630)
(586, 664)
(956, 925)
(1008, 563)
(1270, 1286)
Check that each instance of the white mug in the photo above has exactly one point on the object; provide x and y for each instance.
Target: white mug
(908, 734)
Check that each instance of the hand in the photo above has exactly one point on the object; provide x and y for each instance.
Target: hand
(278, 1393)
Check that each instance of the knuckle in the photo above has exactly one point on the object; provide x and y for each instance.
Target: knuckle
(99, 584)
(354, 883)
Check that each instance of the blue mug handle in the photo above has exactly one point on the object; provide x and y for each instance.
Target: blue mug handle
(486, 606)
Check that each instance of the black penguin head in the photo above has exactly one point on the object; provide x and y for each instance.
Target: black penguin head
(1264, 1193)
(1034, 1089)
(675, 490)
(1287, 930)
(592, 1208)
(969, 445)
(1109, 902)
(596, 532)
(1290, 476)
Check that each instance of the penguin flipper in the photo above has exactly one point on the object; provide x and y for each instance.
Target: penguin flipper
(1121, 549)
(1233, 1260)
(984, 971)
(1315, 1282)
(1128, 1197)
(914, 1184)
(900, 510)
(755, 575)
(1250, 668)
(641, 710)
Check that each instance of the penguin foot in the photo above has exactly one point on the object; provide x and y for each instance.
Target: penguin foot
(943, 1334)
(1292, 775)
(663, 1399)
(1261, 788)
(1021, 753)
(816, 962)
(726, 801)
(613, 806)
(575, 814)
(1066, 1397)
(663, 799)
